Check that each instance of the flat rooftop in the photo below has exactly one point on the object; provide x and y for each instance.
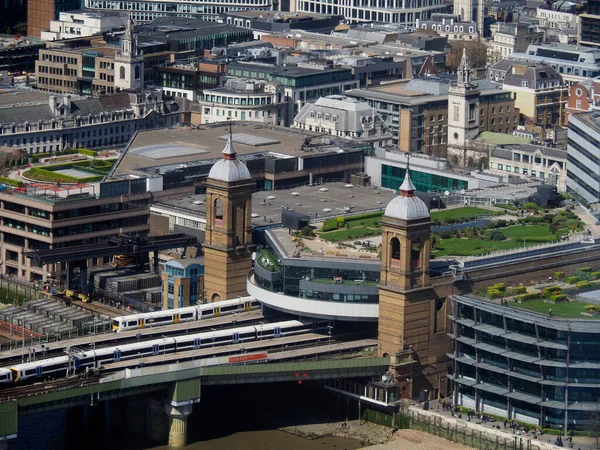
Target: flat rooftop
(191, 144)
(310, 200)
(9, 98)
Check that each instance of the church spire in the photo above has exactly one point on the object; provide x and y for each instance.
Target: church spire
(229, 152)
(464, 70)
(407, 189)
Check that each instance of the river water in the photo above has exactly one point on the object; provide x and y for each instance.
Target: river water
(230, 417)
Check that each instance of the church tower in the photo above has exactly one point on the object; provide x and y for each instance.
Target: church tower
(228, 242)
(463, 114)
(129, 64)
(407, 302)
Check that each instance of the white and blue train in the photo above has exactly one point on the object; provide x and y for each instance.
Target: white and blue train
(188, 314)
(61, 365)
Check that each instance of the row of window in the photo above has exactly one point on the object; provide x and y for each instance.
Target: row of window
(457, 29)
(58, 59)
(249, 101)
(524, 171)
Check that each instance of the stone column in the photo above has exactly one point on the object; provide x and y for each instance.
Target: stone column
(178, 416)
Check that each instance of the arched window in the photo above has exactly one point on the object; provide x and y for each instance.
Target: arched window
(395, 251)
(415, 254)
(122, 73)
(137, 72)
(218, 211)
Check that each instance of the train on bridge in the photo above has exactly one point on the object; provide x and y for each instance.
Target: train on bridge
(189, 314)
(79, 360)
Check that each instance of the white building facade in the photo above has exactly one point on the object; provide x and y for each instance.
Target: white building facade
(74, 24)
(346, 118)
(249, 100)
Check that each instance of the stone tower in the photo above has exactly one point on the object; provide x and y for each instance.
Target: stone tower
(228, 242)
(408, 328)
(129, 64)
(463, 115)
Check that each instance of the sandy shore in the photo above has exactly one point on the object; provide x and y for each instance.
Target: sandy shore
(417, 440)
(375, 437)
(367, 433)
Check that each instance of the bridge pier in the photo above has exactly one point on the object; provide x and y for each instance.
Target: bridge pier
(178, 417)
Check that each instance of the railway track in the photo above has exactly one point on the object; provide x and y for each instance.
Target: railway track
(90, 342)
(298, 347)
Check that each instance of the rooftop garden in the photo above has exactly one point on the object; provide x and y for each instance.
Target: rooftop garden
(344, 228)
(267, 259)
(505, 235)
(556, 300)
(71, 172)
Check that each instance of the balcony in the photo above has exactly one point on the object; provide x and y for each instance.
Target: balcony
(320, 309)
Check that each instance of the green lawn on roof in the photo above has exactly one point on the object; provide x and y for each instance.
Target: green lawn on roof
(459, 213)
(567, 310)
(517, 236)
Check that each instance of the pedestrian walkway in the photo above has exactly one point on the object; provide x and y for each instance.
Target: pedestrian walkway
(490, 428)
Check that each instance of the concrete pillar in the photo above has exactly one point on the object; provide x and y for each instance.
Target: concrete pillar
(178, 416)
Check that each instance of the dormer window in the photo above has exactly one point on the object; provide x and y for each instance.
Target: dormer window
(319, 116)
(327, 116)
(334, 118)
(312, 114)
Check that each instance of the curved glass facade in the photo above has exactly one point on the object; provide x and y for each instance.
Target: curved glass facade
(310, 281)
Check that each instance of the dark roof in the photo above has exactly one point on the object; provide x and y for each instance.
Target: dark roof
(88, 106)
(26, 113)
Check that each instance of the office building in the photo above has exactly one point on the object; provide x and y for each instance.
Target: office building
(574, 63)
(40, 123)
(149, 10)
(539, 91)
(525, 366)
(248, 100)
(583, 171)
(346, 118)
(589, 24)
(417, 111)
(73, 24)
(549, 165)
(41, 12)
(405, 12)
(182, 283)
(43, 217)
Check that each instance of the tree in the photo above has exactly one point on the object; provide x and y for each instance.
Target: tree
(476, 54)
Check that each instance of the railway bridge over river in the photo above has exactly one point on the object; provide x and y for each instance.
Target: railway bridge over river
(179, 384)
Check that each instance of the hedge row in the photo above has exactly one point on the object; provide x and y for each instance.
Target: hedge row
(363, 216)
(494, 293)
(582, 284)
(330, 224)
(572, 280)
(550, 291)
(87, 152)
(40, 174)
(530, 296)
(517, 290)
(558, 298)
(10, 182)
(498, 287)
(559, 275)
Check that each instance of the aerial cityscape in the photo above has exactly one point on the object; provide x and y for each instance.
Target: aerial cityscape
(300, 224)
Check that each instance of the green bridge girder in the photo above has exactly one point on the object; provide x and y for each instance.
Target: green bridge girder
(184, 380)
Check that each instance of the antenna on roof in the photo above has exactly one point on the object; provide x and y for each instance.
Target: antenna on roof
(230, 127)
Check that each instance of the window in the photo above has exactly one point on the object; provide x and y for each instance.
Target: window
(500, 166)
(508, 168)
(516, 170)
(525, 84)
